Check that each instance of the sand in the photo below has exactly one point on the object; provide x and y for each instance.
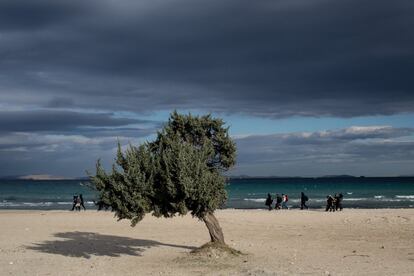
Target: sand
(290, 242)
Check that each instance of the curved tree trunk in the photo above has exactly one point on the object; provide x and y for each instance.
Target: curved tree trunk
(216, 234)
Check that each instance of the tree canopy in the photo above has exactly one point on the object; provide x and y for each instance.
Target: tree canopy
(179, 172)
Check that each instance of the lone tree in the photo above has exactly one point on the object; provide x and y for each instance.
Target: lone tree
(179, 172)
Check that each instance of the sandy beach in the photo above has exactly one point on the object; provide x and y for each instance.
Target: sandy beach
(294, 242)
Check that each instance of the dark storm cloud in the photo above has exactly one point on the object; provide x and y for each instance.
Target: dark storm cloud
(267, 58)
(31, 15)
(25, 153)
(264, 58)
(67, 132)
(55, 121)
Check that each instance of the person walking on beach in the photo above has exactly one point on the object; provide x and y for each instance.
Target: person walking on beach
(278, 202)
(303, 199)
(285, 199)
(82, 202)
(269, 201)
(101, 205)
(75, 199)
(338, 201)
(78, 203)
(330, 204)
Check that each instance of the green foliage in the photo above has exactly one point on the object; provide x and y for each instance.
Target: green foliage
(197, 131)
(179, 172)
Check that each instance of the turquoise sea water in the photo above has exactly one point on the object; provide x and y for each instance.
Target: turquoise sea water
(242, 193)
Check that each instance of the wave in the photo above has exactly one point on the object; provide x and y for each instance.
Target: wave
(381, 198)
(38, 203)
(356, 199)
(264, 199)
(255, 199)
(405, 196)
(9, 204)
(317, 200)
(6, 203)
(375, 198)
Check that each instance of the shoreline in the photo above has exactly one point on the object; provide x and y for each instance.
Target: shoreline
(224, 209)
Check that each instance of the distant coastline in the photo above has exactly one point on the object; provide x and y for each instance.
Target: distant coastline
(316, 177)
(40, 177)
(46, 177)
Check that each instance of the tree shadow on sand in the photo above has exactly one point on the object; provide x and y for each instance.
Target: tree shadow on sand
(86, 244)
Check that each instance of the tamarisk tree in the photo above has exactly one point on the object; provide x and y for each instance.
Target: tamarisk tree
(179, 172)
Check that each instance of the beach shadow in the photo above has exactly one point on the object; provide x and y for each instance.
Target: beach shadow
(87, 244)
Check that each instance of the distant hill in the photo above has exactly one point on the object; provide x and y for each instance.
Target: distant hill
(5, 177)
(338, 176)
(84, 178)
(40, 177)
(259, 177)
(270, 177)
(314, 177)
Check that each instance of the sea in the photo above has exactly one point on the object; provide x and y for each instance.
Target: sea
(243, 193)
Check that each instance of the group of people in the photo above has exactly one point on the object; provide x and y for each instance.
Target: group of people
(334, 203)
(282, 200)
(78, 203)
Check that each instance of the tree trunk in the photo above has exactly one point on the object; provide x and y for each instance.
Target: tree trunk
(216, 234)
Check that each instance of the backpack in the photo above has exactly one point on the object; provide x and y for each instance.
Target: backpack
(306, 198)
(287, 199)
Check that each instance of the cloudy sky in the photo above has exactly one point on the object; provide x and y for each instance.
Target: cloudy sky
(308, 88)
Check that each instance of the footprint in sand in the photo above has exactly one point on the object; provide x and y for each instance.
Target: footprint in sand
(385, 219)
(403, 219)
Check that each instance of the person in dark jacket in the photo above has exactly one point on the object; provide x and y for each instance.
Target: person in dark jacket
(101, 205)
(269, 201)
(82, 203)
(330, 204)
(338, 201)
(303, 199)
(75, 199)
(278, 202)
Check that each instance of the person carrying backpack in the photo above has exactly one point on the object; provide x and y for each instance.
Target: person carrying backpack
(278, 202)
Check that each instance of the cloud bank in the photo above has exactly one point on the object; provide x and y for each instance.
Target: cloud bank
(271, 58)
(360, 150)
